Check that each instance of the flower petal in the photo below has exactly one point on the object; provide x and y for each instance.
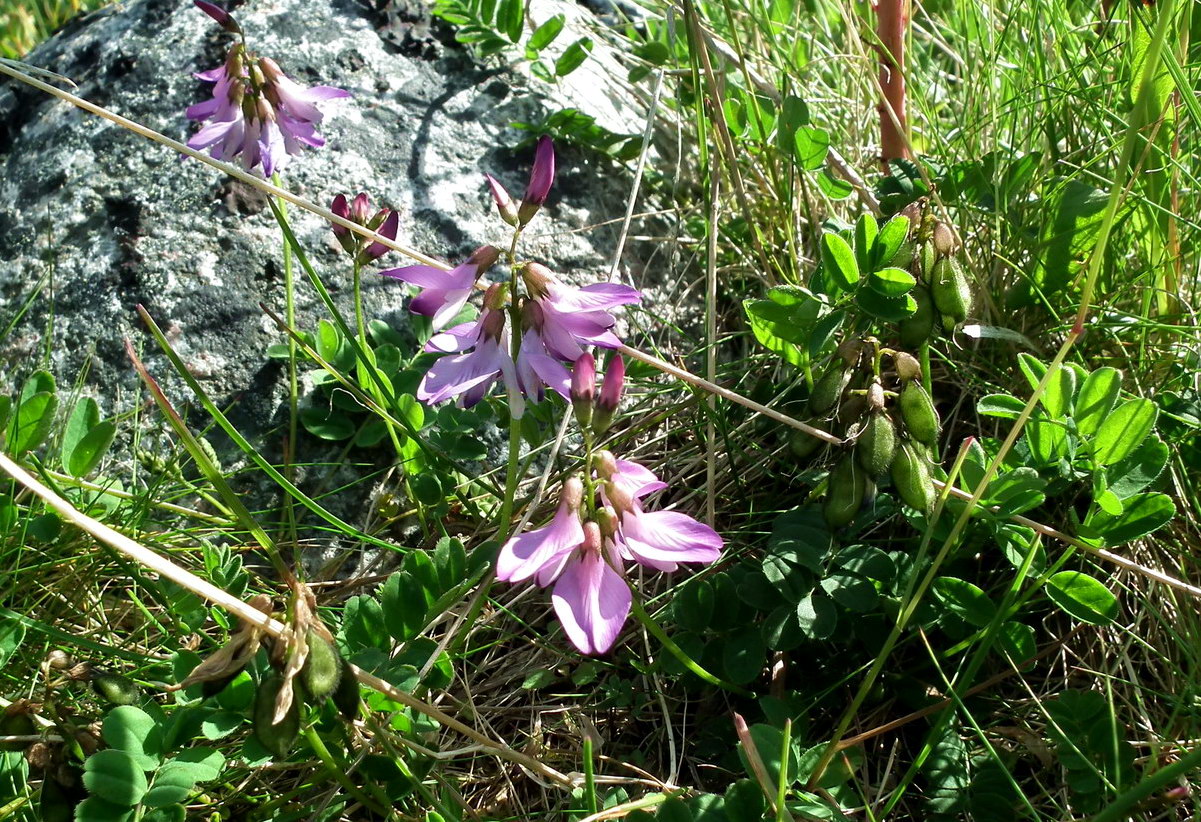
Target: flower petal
(666, 537)
(592, 602)
(525, 555)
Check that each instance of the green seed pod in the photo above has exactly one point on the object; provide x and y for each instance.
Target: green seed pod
(346, 695)
(844, 496)
(18, 724)
(950, 290)
(911, 477)
(875, 447)
(923, 264)
(918, 414)
(276, 738)
(801, 443)
(117, 689)
(916, 329)
(828, 389)
(322, 667)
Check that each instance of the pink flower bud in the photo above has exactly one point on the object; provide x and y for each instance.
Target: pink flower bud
(388, 229)
(494, 297)
(223, 18)
(592, 538)
(339, 207)
(573, 493)
(360, 208)
(504, 203)
(537, 278)
(610, 395)
(484, 258)
(583, 388)
(541, 178)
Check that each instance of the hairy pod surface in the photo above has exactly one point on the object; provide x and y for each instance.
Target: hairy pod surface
(904, 256)
(950, 290)
(802, 444)
(924, 264)
(875, 447)
(918, 327)
(829, 388)
(844, 495)
(117, 689)
(911, 477)
(322, 667)
(918, 414)
(278, 738)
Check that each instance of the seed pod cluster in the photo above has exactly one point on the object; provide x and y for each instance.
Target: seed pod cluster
(324, 675)
(943, 294)
(888, 423)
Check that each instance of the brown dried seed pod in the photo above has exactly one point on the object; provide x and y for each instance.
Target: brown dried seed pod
(945, 241)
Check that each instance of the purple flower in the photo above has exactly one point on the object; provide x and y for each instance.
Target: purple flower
(536, 369)
(256, 113)
(590, 595)
(542, 176)
(573, 318)
(385, 222)
(658, 539)
(445, 292)
(610, 395)
(223, 18)
(504, 203)
(469, 376)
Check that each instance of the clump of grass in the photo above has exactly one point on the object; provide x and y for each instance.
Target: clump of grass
(25, 23)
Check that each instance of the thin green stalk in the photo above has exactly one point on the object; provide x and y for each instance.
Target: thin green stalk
(675, 650)
(589, 776)
(338, 771)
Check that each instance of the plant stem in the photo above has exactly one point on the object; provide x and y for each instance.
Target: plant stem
(675, 650)
(338, 771)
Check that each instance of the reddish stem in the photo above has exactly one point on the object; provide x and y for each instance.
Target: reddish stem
(892, 25)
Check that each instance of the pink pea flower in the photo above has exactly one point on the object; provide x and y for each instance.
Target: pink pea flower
(657, 539)
(445, 292)
(257, 113)
(536, 368)
(542, 176)
(385, 222)
(575, 317)
(469, 376)
(590, 595)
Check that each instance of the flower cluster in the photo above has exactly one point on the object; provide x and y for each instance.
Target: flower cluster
(385, 222)
(256, 112)
(584, 549)
(557, 320)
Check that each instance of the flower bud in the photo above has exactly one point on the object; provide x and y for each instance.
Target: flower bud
(913, 212)
(341, 209)
(391, 224)
(484, 257)
(541, 178)
(583, 388)
(504, 203)
(360, 208)
(610, 394)
(606, 518)
(58, 659)
(573, 492)
(537, 279)
(605, 464)
(592, 538)
(223, 17)
(875, 396)
(494, 297)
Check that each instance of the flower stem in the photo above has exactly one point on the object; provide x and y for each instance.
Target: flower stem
(675, 650)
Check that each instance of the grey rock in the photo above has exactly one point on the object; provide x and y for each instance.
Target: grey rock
(95, 220)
